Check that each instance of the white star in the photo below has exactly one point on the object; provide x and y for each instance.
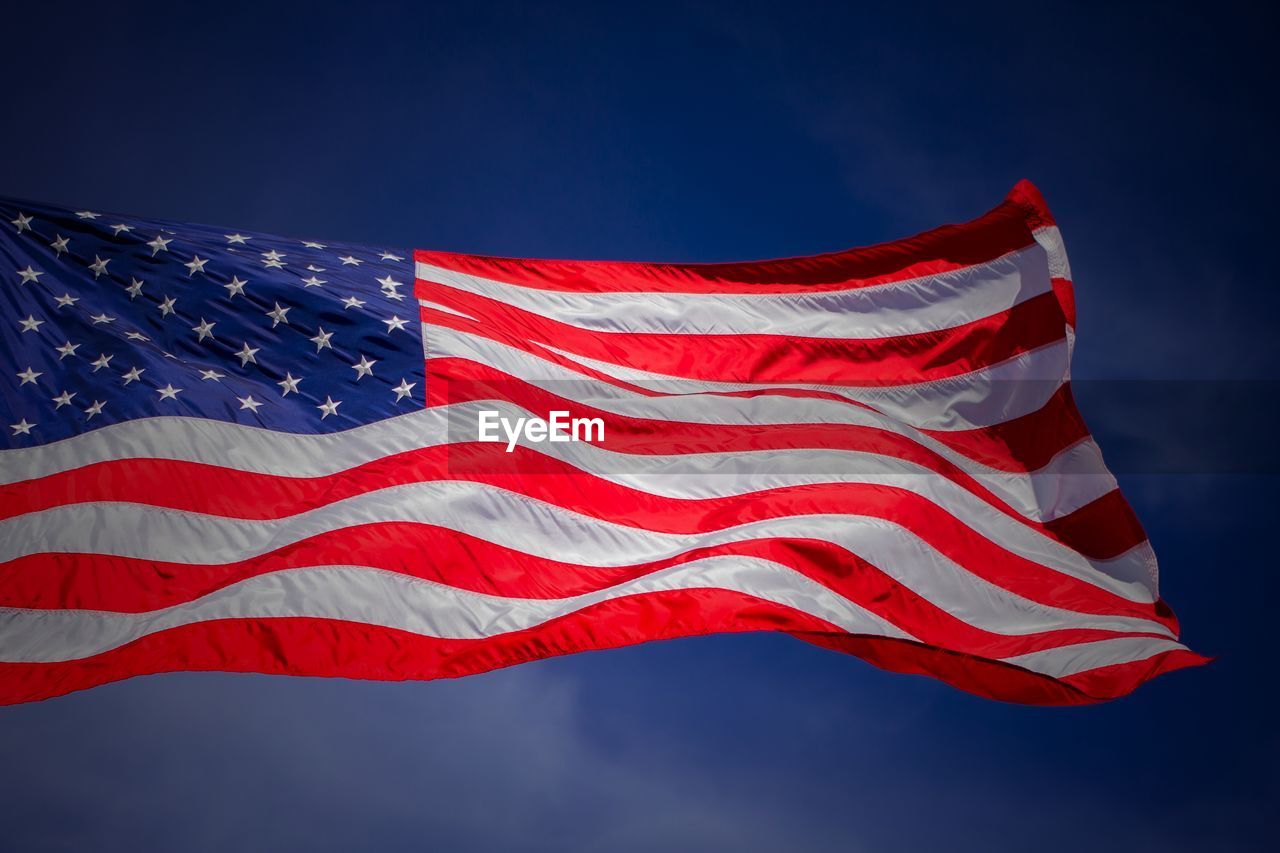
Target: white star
(273, 255)
(350, 261)
(102, 361)
(95, 409)
(328, 407)
(246, 355)
(312, 282)
(321, 340)
(101, 319)
(195, 265)
(273, 265)
(278, 315)
(22, 223)
(99, 265)
(134, 375)
(67, 349)
(29, 274)
(136, 336)
(166, 306)
(28, 376)
(204, 330)
(288, 384)
(159, 244)
(121, 228)
(31, 324)
(66, 300)
(21, 427)
(364, 367)
(395, 324)
(168, 392)
(404, 389)
(387, 256)
(87, 214)
(235, 287)
(393, 294)
(63, 399)
(389, 283)
(315, 268)
(236, 238)
(211, 374)
(249, 403)
(311, 244)
(134, 288)
(59, 245)
(352, 302)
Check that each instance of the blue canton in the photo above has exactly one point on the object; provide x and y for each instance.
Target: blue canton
(106, 318)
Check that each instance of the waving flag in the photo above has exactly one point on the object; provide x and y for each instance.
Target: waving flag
(235, 451)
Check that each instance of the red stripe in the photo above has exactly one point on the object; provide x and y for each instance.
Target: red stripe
(318, 647)
(1005, 229)
(1101, 530)
(1022, 444)
(1066, 294)
(894, 360)
(1096, 534)
(1026, 443)
(551, 481)
(997, 680)
(324, 647)
(1108, 525)
(61, 580)
(464, 562)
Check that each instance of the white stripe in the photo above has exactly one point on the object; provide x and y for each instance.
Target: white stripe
(912, 306)
(434, 306)
(1072, 479)
(983, 398)
(237, 446)
(709, 475)
(391, 600)
(1077, 478)
(533, 527)
(1069, 660)
(714, 475)
(1055, 250)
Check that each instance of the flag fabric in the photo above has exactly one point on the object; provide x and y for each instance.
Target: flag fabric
(241, 452)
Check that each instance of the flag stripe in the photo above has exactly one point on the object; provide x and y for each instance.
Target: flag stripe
(905, 307)
(1018, 222)
(756, 358)
(969, 532)
(329, 648)
(388, 599)
(528, 524)
(993, 395)
(131, 584)
(803, 456)
(934, 573)
(1072, 479)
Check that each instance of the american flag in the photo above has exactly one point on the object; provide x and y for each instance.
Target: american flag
(227, 450)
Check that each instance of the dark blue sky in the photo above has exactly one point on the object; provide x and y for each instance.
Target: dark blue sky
(696, 132)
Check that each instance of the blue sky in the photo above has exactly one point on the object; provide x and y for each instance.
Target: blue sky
(700, 132)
